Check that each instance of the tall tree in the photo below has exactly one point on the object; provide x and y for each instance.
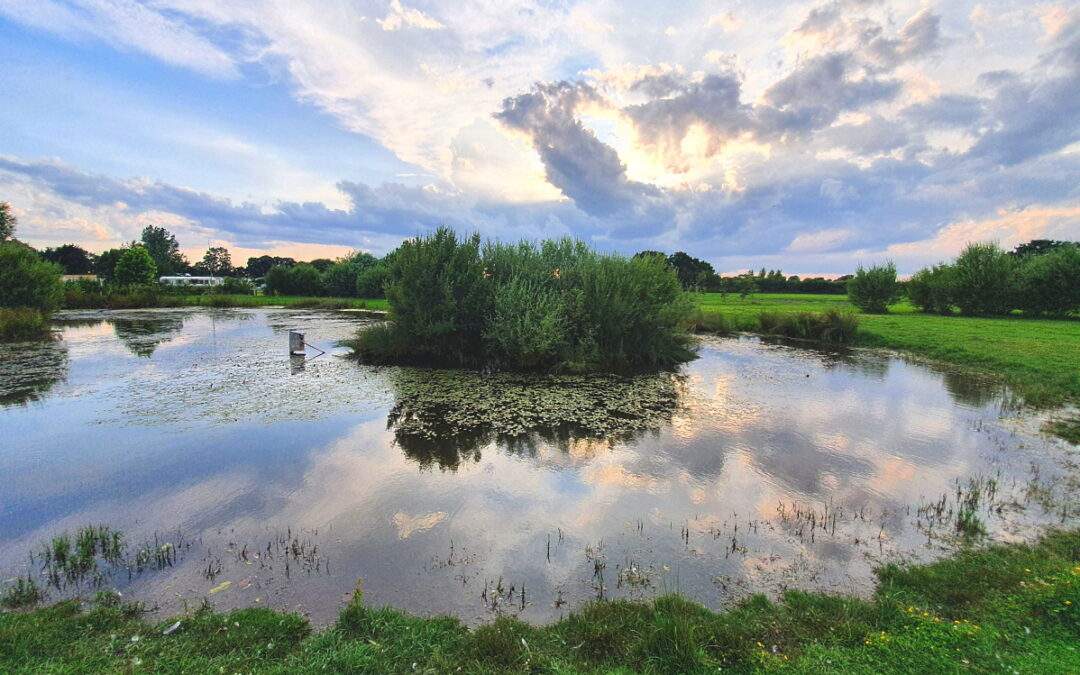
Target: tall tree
(73, 258)
(217, 261)
(692, 272)
(164, 249)
(258, 267)
(7, 222)
(135, 266)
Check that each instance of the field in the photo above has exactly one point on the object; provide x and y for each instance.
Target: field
(1001, 609)
(1040, 358)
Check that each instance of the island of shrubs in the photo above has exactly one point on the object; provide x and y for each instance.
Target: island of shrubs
(554, 306)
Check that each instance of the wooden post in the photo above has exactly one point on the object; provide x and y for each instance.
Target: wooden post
(296, 342)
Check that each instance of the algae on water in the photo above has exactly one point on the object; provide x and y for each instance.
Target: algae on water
(447, 415)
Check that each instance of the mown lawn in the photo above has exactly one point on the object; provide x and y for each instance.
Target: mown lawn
(1006, 608)
(1038, 357)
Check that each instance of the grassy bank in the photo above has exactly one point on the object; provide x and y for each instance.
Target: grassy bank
(1007, 608)
(1039, 358)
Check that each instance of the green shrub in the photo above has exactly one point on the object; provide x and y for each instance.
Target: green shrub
(339, 280)
(832, 326)
(553, 306)
(873, 289)
(135, 266)
(28, 281)
(983, 280)
(299, 279)
(371, 281)
(931, 289)
(236, 286)
(23, 323)
(1050, 283)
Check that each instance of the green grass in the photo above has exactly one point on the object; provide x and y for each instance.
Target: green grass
(1039, 358)
(1006, 608)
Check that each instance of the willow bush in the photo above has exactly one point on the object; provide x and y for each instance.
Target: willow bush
(555, 306)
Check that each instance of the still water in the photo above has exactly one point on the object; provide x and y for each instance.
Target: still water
(282, 481)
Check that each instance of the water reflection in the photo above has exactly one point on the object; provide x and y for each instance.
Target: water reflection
(444, 418)
(142, 334)
(28, 371)
(707, 482)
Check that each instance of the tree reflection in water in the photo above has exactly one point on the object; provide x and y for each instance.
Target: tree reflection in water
(30, 369)
(445, 417)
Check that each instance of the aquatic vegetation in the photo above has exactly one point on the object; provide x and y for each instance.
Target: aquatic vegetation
(23, 324)
(1008, 607)
(556, 306)
(1067, 427)
(95, 554)
(24, 592)
(447, 415)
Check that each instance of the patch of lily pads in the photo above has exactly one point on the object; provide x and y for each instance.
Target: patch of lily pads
(443, 416)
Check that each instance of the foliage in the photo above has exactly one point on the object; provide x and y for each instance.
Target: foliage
(1006, 607)
(22, 324)
(135, 266)
(371, 282)
(553, 306)
(299, 279)
(217, 261)
(26, 280)
(71, 258)
(105, 265)
(440, 298)
(1050, 283)
(873, 289)
(259, 267)
(237, 286)
(8, 221)
(164, 249)
(831, 326)
(692, 272)
(1040, 247)
(931, 289)
(983, 280)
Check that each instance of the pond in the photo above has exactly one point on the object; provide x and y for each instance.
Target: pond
(283, 481)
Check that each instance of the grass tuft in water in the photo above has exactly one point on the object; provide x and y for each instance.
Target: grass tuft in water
(1007, 608)
(24, 592)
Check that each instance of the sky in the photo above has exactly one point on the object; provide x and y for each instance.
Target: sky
(807, 136)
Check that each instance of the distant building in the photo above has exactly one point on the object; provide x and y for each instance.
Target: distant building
(187, 280)
(78, 277)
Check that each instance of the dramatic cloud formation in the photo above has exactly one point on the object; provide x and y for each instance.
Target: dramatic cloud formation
(811, 137)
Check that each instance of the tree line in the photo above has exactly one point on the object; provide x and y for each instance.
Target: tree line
(1038, 278)
(696, 274)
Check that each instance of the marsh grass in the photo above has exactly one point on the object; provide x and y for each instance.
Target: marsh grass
(1008, 608)
(23, 324)
(1067, 428)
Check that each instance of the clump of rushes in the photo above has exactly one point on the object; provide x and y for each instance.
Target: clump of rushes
(556, 306)
(831, 326)
(24, 592)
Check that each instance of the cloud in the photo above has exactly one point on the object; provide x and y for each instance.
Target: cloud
(125, 25)
(400, 17)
